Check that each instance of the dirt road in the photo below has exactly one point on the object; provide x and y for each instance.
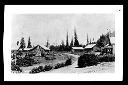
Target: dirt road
(104, 67)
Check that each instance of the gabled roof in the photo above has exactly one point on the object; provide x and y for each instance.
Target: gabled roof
(90, 46)
(43, 47)
(78, 48)
(107, 47)
(27, 48)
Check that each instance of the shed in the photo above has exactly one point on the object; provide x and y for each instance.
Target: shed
(45, 48)
(77, 49)
(89, 47)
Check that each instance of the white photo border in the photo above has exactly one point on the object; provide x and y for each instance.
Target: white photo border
(10, 10)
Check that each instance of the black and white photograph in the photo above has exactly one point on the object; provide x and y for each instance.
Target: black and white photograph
(57, 40)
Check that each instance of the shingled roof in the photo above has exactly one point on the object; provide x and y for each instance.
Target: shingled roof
(77, 48)
(90, 46)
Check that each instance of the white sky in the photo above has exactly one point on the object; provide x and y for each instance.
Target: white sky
(54, 27)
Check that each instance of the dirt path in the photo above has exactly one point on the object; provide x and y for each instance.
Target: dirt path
(103, 67)
(74, 63)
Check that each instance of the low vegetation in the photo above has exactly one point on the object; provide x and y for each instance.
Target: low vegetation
(26, 61)
(92, 59)
(87, 60)
(57, 60)
(50, 67)
(59, 65)
(15, 67)
(107, 58)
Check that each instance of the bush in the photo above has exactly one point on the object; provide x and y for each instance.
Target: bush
(68, 62)
(15, 68)
(26, 61)
(37, 69)
(41, 69)
(107, 58)
(87, 60)
(59, 65)
(48, 67)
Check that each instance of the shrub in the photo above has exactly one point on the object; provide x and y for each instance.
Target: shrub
(87, 60)
(59, 65)
(37, 69)
(15, 68)
(62, 64)
(47, 67)
(68, 62)
(34, 70)
(107, 58)
(50, 67)
(26, 61)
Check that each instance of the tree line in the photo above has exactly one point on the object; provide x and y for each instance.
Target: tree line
(67, 47)
(101, 42)
(61, 47)
(22, 43)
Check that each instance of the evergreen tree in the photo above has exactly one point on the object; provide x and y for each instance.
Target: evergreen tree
(17, 42)
(76, 42)
(22, 43)
(47, 43)
(93, 39)
(62, 43)
(87, 39)
(90, 40)
(71, 44)
(108, 37)
(104, 40)
(62, 46)
(29, 43)
(67, 40)
(100, 42)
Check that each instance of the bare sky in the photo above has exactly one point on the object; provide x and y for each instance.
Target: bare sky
(54, 27)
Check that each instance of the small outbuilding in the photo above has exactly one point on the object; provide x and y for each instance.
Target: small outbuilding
(77, 49)
(89, 47)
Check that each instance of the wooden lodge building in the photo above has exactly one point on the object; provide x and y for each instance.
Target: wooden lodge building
(89, 47)
(39, 50)
(35, 51)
